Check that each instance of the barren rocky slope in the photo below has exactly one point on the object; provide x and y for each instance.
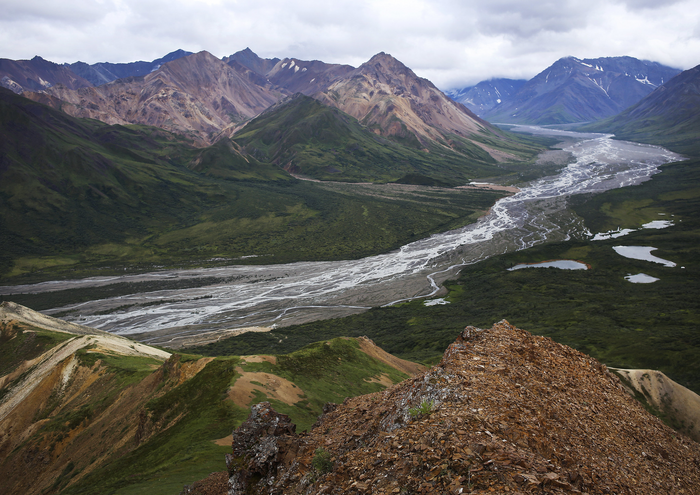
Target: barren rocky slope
(388, 97)
(37, 74)
(504, 412)
(678, 404)
(197, 95)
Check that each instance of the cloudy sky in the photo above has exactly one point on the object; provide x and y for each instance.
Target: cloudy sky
(454, 43)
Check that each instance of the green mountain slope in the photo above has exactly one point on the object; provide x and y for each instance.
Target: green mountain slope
(321, 142)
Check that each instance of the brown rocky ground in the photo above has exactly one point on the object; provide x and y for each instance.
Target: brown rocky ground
(504, 412)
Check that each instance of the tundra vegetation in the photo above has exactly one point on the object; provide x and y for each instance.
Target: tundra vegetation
(79, 197)
(596, 311)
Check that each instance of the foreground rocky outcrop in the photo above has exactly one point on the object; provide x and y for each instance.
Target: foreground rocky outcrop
(503, 412)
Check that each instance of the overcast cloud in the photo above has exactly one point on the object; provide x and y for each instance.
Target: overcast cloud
(454, 43)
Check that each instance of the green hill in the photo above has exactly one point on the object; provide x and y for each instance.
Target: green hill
(314, 140)
(670, 116)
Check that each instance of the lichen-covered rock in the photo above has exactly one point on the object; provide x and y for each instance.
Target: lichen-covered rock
(257, 447)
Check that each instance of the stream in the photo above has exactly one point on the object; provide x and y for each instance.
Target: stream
(246, 296)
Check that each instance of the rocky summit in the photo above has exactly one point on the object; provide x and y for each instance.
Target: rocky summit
(503, 412)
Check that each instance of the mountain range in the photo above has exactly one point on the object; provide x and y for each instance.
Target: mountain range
(570, 90)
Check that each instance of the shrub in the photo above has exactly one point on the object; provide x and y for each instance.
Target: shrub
(425, 408)
(322, 461)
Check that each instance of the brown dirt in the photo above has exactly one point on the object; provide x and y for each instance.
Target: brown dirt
(259, 359)
(676, 401)
(274, 387)
(382, 379)
(372, 350)
(191, 368)
(214, 484)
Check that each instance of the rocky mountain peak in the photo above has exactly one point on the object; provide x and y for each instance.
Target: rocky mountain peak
(504, 411)
(385, 63)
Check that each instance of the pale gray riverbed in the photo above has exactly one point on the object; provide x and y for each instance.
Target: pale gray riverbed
(301, 292)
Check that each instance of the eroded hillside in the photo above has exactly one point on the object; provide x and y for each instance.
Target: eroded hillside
(90, 412)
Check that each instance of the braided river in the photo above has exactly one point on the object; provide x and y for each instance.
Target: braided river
(211, 300)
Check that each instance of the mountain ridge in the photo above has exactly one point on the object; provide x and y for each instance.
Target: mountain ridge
(196, 95)
(98, 412)
(486, 94)
(504, 411)
(579, 90)
(37, 74)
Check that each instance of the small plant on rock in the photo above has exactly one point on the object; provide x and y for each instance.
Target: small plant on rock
(425, 408)
(322, 461)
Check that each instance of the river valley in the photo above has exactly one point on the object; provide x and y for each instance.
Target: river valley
(189, 304)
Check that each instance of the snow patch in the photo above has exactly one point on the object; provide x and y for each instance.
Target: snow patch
(658, 224)
(613, 234)
(644, 81)
(600, 86)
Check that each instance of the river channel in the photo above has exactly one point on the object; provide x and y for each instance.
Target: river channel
(246, 296)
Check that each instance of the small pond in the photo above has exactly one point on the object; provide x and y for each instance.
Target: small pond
(435, 302)
(641, 278)
(614, 234)
(641, 253)
(562, 264)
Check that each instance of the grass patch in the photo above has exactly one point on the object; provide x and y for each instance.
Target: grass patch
(325, 372)
(20, 342)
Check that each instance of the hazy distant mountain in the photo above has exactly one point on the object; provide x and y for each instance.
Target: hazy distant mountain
(669, 116)
(486, 95)
(574, 90)
(104, 72)
(37, 74)
(197, 95)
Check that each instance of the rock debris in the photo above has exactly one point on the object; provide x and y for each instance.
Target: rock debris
(503, 412)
